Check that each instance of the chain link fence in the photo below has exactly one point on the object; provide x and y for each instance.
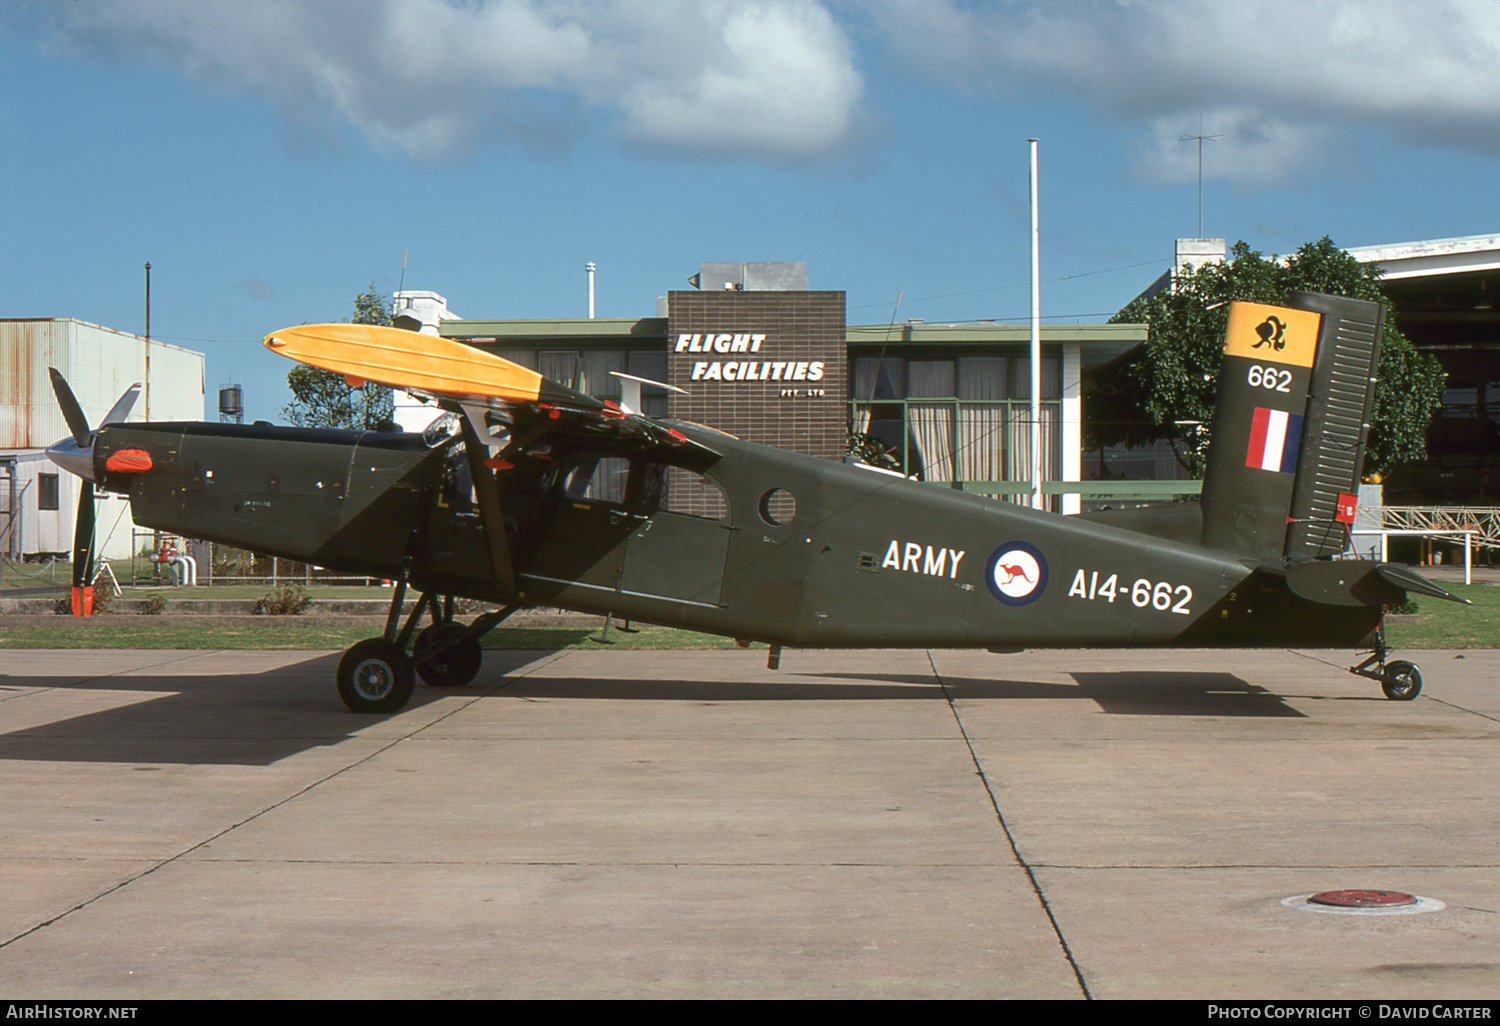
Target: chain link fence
(160, 558)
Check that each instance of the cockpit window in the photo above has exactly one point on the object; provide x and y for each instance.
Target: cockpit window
(644, 487)
(599, 478)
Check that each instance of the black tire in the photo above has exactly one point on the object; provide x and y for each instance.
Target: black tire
(453, 668)
(375, 676)
(1403, 681)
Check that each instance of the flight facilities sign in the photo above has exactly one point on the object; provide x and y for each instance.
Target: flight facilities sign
(764, 365)
(736, 347)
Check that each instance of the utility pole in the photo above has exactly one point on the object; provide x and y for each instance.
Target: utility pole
(146, 386)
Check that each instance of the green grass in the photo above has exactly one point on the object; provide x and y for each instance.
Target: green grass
(60, 577)
(1450, 625)
(1442, 625)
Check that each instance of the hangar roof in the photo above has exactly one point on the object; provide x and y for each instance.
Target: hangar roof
(1444, 290)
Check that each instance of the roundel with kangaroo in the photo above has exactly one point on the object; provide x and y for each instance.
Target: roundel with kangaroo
(1016, 573)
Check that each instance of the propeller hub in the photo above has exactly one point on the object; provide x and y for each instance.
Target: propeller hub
(78, 461)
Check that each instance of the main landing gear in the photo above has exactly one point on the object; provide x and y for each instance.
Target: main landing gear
(377, 675)
(1400, 680)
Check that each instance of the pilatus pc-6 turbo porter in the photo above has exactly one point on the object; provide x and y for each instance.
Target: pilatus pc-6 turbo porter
(530, 494)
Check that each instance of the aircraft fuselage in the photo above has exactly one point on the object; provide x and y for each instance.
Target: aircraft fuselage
(761, 544)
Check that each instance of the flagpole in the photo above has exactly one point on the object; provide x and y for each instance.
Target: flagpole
(1036, 341)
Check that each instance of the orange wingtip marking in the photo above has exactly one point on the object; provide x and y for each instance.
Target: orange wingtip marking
(129, 461)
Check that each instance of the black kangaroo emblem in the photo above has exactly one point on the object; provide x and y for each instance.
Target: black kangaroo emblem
(1271, 331)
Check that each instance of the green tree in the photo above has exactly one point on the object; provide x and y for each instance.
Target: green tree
(322, 398)
(1165, 388)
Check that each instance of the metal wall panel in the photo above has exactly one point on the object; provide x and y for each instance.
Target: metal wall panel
(100, 363)
(29, 417)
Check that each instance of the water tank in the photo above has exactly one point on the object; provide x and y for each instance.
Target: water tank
(231, 406)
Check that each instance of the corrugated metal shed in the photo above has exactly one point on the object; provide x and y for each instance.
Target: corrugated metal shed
(100, 363)
(27, 349)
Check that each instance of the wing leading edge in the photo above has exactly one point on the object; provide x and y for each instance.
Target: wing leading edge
(463, 379)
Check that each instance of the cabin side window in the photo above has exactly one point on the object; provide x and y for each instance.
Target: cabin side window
(689, 493)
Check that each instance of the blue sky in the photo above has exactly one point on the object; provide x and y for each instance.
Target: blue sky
(272, 158)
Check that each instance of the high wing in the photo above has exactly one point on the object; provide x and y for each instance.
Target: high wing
(508, 406)
(506, 411)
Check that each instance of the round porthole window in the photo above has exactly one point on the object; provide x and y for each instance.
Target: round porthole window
(778, 507)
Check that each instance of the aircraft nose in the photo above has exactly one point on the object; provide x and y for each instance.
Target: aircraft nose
(76, 460)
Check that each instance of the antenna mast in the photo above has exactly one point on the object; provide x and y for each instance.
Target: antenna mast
(1201, 139)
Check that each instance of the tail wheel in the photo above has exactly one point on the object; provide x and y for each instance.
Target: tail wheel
(1401, 681)
(375, 676)
(453, 668)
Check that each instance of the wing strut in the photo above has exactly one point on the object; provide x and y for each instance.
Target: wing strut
(487, 491)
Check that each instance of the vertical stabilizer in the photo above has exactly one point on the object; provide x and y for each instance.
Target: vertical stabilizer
(1289, 429)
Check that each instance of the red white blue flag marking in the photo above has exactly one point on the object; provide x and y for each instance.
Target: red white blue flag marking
(1275, 439)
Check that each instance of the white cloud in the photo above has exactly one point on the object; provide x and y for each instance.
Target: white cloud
(1285, 81)
(1287, 84)
(781, 78)
(773, 79)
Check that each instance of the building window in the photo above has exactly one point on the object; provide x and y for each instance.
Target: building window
(46, 491)
(960, 419)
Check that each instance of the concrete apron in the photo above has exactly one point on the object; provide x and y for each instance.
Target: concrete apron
(596, 823)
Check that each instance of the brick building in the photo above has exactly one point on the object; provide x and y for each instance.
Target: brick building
(760, 356)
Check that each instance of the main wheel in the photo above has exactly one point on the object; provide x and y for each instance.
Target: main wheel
(375, 676)
(453, 668)
(1403, 681)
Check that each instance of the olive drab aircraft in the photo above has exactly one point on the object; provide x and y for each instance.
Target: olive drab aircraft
(527, 493)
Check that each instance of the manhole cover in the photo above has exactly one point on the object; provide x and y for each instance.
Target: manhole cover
(1364, 903)
(1363, 899)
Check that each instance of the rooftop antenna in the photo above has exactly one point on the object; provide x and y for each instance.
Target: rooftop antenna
(1201, 139)
(880, 360)
(402, 281)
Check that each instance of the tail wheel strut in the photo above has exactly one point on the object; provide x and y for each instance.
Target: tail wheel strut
(1401, 681)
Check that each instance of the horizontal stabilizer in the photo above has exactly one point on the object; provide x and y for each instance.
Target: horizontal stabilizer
(1357, 582)
(1407, 580)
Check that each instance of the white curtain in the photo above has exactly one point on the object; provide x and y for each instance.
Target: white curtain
(1018, 446)
(594, 376)
(558, 366)
(931, 427)
(981, 442)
